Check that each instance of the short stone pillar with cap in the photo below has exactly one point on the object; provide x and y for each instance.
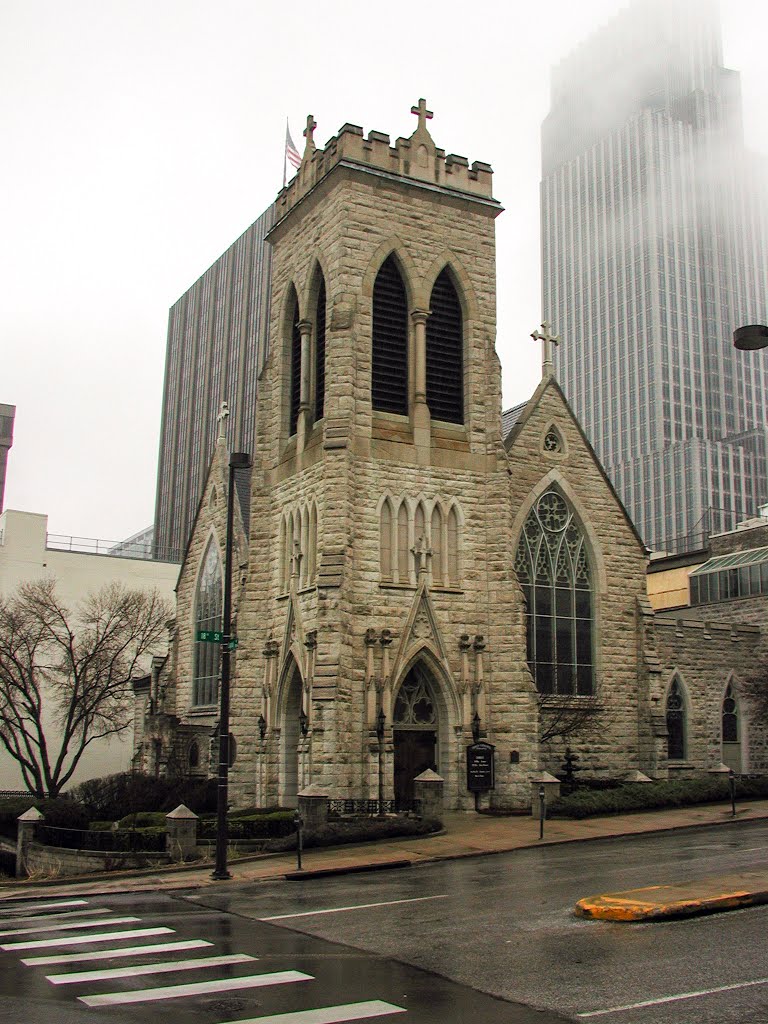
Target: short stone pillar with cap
(428, 794)
(313, 807)
(25, 833)
(551, 787)
(181, 833)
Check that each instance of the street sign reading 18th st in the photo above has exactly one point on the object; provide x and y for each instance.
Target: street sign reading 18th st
(210, 636)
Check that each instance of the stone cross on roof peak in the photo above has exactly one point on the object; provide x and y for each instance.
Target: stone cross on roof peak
(309, 133)
(548, 340)
(424, 115)
(221, 419)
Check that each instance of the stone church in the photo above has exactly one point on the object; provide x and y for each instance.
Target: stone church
(412, 573)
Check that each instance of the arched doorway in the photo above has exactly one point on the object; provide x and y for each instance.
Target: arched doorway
(731, 730)
(415, 726)
(289, 740)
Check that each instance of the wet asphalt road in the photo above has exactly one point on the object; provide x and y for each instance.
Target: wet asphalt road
(505, 925)
(479, 941)
(311, 980)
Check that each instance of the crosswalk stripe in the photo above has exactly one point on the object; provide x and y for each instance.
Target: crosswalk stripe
(68, 927)
(110, 954)
(330, 1014)
(141, 969)
(66, 916)
(79, 940)
(45, 906)
(195, 989)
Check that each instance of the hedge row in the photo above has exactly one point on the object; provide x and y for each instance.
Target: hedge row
(364, 830)
(641, 796)
(115, 796)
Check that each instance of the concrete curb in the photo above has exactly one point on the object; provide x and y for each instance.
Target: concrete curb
(348, 869)
(691, 899)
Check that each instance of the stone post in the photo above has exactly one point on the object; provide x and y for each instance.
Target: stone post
(313, 807)
(181, 833)
(551, 791)
(428, 792)
(25, 833)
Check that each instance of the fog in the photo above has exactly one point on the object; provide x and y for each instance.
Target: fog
(142, 138)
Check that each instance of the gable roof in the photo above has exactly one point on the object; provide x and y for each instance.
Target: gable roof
(519, 415)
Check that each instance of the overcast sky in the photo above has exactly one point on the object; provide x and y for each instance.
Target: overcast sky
(141, 138)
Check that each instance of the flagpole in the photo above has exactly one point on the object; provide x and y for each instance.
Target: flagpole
(285, 153)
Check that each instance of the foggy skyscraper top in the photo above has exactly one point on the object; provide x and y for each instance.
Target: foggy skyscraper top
(654, 248)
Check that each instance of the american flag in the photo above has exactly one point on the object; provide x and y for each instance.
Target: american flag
(292, 155)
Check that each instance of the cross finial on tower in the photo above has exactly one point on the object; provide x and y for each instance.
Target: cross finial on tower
(547, 341)
(221, 419)
(308, 132)
(424, 115)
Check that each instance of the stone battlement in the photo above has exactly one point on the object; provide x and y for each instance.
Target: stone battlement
(416, 158)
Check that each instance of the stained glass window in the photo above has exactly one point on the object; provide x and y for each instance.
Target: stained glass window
(553, 569)
(730, 717)
(208, 609)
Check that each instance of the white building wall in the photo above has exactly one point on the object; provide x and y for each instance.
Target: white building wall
(24, 557)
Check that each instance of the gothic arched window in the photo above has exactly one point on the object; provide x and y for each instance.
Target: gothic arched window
(676, 730)
(552, 567)
(730, 716)
(320, 351)
(436, 543)
(295, 389)
(389, 371)
(445, 355)
(208, 608)
(386, 540)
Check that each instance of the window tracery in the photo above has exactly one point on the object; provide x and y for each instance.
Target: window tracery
(553, 570)
(676, 722)
(208, 611)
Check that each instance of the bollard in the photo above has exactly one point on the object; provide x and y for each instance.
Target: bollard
(732, 787)
(542, 810)
(298, 821)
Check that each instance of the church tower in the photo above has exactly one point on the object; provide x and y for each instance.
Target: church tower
(380, 614)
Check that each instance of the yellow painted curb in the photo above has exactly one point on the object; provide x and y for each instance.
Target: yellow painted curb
(666, 901)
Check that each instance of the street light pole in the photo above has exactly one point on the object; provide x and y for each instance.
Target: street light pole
(237, 460)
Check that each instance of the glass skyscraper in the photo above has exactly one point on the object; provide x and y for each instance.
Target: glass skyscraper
(217, 345)
(654, 248)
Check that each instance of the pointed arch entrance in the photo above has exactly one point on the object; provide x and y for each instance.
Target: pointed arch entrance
(415, 726)
(290, 735)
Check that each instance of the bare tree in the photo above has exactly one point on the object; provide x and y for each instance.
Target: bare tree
(561, 717)
(64, 676)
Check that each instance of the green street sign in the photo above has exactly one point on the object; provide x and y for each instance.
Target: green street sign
(210, 636)
(233, 643)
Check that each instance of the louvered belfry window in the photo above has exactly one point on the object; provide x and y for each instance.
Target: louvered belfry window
(295, 370)
(320, 352)
(445, 357)
(389, 376)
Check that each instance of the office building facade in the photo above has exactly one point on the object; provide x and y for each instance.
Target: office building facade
(217, 346)
(654, 249)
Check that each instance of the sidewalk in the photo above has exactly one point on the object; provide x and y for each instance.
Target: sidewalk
(464, 835)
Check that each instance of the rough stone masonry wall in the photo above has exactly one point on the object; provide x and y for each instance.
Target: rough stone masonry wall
(618, 562)
(350, 230)
(706, 657)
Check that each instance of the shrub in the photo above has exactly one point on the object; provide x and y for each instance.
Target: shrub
(143, 819)
(60, 812)
(362, 830)
(115, 796)
(253, 826)
(584, 803)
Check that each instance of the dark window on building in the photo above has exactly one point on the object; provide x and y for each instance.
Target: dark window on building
(553, 570)
(208, 609)
(730, 717)
(389, 374)
(320, 352)
(295, 371)
(445, 353)
(675, 723)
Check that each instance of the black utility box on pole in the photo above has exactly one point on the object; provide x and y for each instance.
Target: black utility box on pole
(237, 460)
